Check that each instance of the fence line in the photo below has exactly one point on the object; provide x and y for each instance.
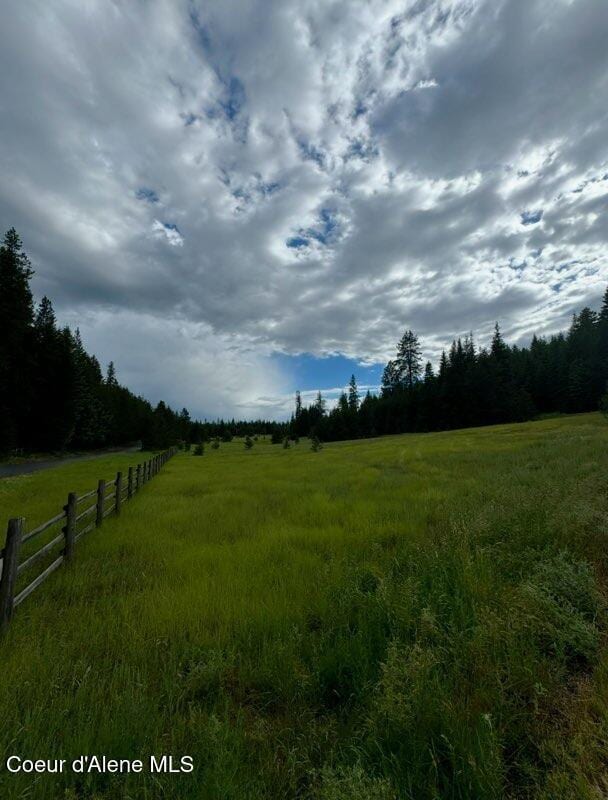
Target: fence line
(103, 505)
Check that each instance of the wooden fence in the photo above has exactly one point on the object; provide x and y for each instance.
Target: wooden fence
(105, 503)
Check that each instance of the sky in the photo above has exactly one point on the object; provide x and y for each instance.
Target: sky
(239, 198)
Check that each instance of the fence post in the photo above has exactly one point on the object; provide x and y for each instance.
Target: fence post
(10, 563)
(70, 526)
(101, 494)
(138, 482)
(130, 484)
(118, 497)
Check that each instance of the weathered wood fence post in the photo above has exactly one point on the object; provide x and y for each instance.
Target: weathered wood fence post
(70, 526)
(10, 562)
(118, 497)
(101, 496)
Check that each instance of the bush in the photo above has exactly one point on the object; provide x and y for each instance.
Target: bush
(248, 443)
(315, 444)
(286, 444)
(215, 444)
(276, 437)
(199, 449)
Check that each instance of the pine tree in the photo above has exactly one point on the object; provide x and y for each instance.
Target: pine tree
(604, 308)
(409, 359)
(353, 395)
(16, 320)
(390, 378)
(498, 348)
(111, 375)
(51, 422)
(603, 341)
(320, 404)
(185, 425)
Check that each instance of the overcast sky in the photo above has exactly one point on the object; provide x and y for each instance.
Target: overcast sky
(223, 194)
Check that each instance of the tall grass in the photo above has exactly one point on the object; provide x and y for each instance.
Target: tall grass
(417, 616)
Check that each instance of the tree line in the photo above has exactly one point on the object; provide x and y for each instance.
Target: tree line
(55, 395)
(566, 373)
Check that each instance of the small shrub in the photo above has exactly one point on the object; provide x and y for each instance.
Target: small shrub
(286, 444)
(199, 449)
(248, 443)
(215, 444)
(276, 437)
(315, 444)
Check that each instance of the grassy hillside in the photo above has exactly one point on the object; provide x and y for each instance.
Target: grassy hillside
(418, 616)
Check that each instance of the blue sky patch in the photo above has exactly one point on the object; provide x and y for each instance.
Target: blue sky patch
(149, 195)
(297, 242)
(531, 217)
(310, 373)
(235, 98)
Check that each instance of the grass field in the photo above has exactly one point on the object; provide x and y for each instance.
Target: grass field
(418, 616)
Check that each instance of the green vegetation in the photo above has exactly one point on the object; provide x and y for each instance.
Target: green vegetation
(40, 495)
(417, 616)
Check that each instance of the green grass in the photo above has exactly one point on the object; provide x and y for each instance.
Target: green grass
(38, 496)
(417, 616)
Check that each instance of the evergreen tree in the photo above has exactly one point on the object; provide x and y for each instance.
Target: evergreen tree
(51, 421)
(111, 375)
(353, 395)
(390, 378)
(185, 425)
(16, 320)
(409, 359)
(320, 404)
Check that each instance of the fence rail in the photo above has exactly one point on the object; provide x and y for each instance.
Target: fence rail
(105, 503)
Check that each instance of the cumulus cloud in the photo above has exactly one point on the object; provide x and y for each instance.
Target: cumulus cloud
(303, 176)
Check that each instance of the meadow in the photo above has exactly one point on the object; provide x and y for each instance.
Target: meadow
(416, 616)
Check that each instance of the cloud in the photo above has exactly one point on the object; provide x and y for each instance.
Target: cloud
(168, 231)
(185, 363)
(306, 177)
